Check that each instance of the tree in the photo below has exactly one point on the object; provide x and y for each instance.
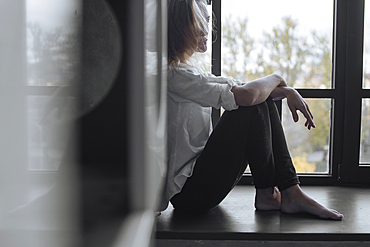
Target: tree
(320, 65)
(52, 55)
(301, 164)
(238, 47)
(287, 51)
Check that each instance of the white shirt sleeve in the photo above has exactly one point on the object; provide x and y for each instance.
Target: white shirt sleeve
(187, 84)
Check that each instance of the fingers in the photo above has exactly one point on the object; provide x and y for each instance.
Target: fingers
(305, 110)
(297, 103)
(294, 115)
(308, 125)
(308, 115)
(309, 122)
(308, 110)
(309, 119)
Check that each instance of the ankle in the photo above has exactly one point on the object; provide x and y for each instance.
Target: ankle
(266, 192)
(267, 199)
(292, 191)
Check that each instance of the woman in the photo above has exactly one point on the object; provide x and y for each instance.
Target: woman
(205, 164)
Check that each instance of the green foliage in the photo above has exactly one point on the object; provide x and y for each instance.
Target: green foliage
(320, 66)
(319, 137)
(237, 41)
(288, 51)
(302, 165)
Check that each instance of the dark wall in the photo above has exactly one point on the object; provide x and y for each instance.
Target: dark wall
(103, 127)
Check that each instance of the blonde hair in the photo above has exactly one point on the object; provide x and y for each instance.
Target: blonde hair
(187, 23)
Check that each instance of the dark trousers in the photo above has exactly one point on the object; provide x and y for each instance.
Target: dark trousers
(249, 135)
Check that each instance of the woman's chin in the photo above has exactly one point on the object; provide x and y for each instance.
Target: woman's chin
(202, 50)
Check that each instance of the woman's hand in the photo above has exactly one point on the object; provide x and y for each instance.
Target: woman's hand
(297, 103)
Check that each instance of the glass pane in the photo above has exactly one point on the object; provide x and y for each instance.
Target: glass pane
(35, 132)
(365, 132)
(52, 41)
(285, 38)
(366, 81)
(48, 129)
(309, 148)
(203, 60)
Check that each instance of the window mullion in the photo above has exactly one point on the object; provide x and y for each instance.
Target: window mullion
(216, 50)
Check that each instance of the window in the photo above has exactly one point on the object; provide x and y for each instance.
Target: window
(52, 57)
(54, 52)
(365, 133)
(365, 118)
(320, 56)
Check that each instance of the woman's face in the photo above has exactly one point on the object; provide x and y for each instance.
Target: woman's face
(202, 44)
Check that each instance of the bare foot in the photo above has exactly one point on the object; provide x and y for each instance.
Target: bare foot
(265, 200)
(294, 200)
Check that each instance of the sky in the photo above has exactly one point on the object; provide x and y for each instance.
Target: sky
(266, 14)
(262, 15)
(51, 13)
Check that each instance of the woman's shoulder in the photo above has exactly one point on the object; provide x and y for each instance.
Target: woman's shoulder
(187, 71)
(183, 68)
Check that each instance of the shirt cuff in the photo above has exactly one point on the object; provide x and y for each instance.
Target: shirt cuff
(227, 97)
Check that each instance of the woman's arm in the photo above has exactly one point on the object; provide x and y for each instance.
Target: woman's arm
(273, 86)
(257, 91)
(279, 93)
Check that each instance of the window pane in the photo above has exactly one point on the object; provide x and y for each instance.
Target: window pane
(365, 132)
(52, 41)
(49, 126)
(37, 143)
(309, 148)
(285, 38)
(366, 81)
(203, 60)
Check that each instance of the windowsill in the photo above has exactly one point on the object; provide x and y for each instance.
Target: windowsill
(236, 219)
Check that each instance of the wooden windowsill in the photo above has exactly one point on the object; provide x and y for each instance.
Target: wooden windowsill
(236, 219)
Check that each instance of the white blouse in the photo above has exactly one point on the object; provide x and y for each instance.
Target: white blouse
(191, 94)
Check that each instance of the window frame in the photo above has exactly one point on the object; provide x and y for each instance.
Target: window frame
(346, 94)
(349, 169)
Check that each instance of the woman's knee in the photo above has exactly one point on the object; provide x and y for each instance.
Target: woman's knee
(245, 115)
(253, 109)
